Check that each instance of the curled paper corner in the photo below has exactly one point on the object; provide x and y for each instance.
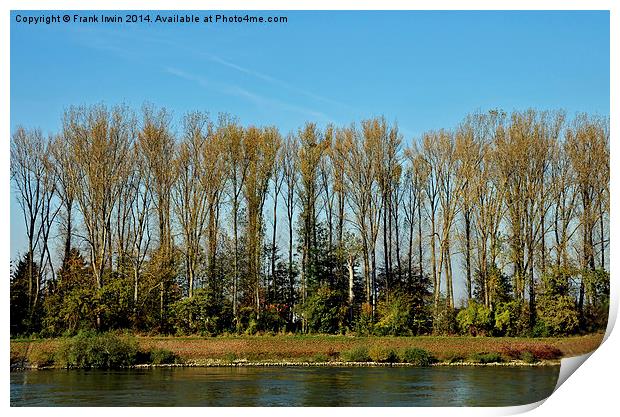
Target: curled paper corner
(568, 366)
(522, 409)
(611, 317)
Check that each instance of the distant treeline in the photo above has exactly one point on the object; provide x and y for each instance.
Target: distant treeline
(229, 228)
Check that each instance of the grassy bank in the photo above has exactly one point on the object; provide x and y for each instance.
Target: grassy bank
(320, 348)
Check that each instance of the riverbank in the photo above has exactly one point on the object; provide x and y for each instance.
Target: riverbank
(325, 350)
(340, 364)
(336, 364)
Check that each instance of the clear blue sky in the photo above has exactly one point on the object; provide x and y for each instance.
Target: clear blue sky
(425, 70)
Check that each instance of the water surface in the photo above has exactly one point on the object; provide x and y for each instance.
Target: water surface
(290, 386)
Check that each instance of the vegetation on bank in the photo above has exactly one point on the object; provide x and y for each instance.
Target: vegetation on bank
(212, 227)
(91, 350)
(110, 350)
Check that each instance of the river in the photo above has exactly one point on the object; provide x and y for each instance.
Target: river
(285, 386)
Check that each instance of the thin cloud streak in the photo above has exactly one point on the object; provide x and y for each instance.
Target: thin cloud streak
(272, 80)
(237, 91)
(120, 50)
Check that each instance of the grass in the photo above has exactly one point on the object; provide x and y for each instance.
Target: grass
(301, 347)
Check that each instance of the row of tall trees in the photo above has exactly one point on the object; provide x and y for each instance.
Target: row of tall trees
(210, 225)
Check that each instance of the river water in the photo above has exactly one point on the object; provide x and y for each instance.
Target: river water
(285, 386)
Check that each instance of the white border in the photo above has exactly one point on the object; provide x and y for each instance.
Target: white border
(590, 392)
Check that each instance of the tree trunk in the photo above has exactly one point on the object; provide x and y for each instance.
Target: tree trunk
(351, 278)
(468, 253)
(68, 236)
(436, 281)
(386, 255)
(273, 241)
(235, 255)
(420, 271)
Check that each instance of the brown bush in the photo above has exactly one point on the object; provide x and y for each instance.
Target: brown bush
(545, 352)
(540, 351)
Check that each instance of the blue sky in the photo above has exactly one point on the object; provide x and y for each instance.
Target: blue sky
(425, 70)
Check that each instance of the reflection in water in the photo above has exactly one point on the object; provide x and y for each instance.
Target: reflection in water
(292, 386)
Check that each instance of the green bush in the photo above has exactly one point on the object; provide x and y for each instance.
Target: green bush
(163, 356)
(325, 311)
(559, 316)
(272, 318)
(364, 325)
(41, 357)
(103, 351)
(475, 319)
(540, 329)
(358, 354)
(528, 357)
(486, 357)
(596, 312)
(204, 313)
(396, 316)
(108, 351)
(511, 319)
(252, 327)
(556, 307)
(383, 354)
(417, 356)
(444, 319)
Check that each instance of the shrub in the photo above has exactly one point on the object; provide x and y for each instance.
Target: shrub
(486, 357)
(273, 318)
(512, 351)
(560, 316)
(383, 355)
(204, 313)
(455, 358)
(252, 327)
(92, 350)
(231, 357)
(332, 353)
(556, 307)
(528, 357)
(475, 319)
(358, 354)
(163, 356)
(41, 357)
(444, 319)
(540, 329)
(596, 313)
(546, 352)
(325, 311)
(538, 351)
(396, 316)
(364, 325)
(511, 319)
(320, 357)
(417, 356)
